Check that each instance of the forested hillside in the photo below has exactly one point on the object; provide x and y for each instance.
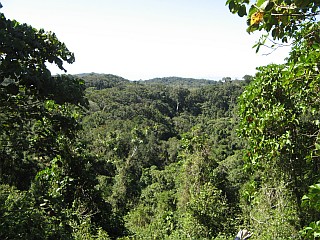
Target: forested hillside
(96, 156)
(165, 154)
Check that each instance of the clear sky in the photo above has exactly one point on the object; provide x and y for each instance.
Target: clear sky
(143, 39)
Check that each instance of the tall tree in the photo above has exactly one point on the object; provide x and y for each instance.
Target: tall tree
(46, 176)
(280, 112)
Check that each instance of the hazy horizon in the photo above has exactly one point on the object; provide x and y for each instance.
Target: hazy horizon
(145, 39)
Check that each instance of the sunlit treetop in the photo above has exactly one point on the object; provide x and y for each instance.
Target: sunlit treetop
(279, 18)
(26, 51)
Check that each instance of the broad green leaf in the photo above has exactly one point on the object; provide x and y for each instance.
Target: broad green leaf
(242, 11)
(261, 2)
(231, 6)
(264, 5)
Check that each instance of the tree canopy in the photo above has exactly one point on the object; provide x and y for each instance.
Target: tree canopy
(96, 156)
(280, 116)
(46, 189)
(281, 20)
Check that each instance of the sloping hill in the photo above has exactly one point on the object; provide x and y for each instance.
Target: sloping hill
(180, 82)
(101, 81)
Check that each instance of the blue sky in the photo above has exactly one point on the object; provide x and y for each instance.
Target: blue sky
(142, 39)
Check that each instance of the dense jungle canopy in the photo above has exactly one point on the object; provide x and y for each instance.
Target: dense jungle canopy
(96, 156)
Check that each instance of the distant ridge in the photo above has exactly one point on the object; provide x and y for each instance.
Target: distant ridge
(102, 81)
(179, 81)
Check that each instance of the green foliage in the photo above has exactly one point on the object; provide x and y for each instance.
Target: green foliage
(312, 231)
(159, 148)
(312, 198)
(180, 82)
(25, 51)
(47, 178)
(270, 212)
(208, 208)
(35, 113)
(137, 160)
(154, 216)
(102, 81)
(279, 117)
(280, 19)
(312, 201)
(191, 197)
(19, 217)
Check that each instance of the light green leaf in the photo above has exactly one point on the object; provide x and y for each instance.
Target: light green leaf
(261, 2)
(264, 5)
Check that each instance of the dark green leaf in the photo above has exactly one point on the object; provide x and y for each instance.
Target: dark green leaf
(242, 11)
